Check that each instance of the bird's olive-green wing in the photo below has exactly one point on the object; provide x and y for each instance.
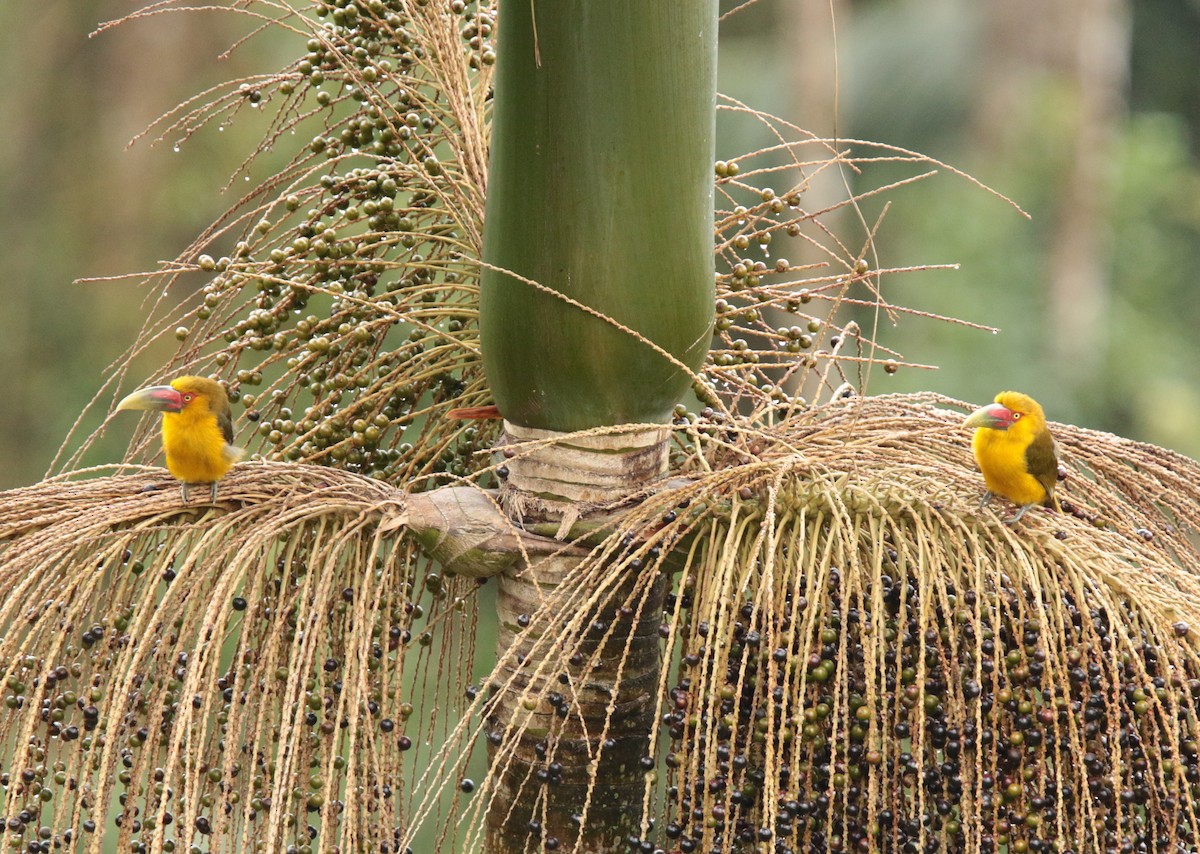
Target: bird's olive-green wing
(225, 422)
(1042, 462)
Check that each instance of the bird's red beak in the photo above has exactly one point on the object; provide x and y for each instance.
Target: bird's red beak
(993, 416)
(160, 397)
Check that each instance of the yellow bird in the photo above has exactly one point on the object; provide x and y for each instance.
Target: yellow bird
(197, 429)
(1015, 452)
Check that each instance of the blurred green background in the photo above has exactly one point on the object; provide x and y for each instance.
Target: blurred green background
(1085, 112)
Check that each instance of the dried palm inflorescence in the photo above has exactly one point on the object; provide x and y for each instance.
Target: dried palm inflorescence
(903, 671)
(858, 658)
(862, 661)
(236, 674)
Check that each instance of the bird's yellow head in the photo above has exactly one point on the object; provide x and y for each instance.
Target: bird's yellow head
(186, 394)
(1012, 411)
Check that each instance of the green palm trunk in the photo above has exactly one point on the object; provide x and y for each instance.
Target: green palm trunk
(600, 190)
(601, 193)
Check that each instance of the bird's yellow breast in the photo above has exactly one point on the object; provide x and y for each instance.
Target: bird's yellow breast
(196, 450)
(1001, 458)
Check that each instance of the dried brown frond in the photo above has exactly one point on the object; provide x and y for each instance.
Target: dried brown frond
(241, 672)
(862, 659)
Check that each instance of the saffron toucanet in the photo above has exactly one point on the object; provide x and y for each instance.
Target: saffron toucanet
(197, 429)
(1015, 452)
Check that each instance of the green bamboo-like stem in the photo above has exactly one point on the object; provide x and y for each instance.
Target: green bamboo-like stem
(600, 192)
(600, 189)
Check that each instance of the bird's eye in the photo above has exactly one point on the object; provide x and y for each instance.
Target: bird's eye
(1016, 416)
(186, 398)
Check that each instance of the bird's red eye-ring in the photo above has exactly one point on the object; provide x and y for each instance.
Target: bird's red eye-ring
(186, 398)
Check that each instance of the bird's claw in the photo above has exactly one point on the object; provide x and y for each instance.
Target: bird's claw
(1016, 517)
(212, 492)
(985, 500)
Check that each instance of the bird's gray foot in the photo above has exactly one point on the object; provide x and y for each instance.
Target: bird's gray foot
(183, 490)
(212, 492)
(1016, 517)
(985, 500)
